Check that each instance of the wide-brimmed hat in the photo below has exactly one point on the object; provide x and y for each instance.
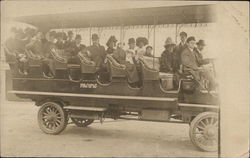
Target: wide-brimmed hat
(169, 42)
(131, 41)
(144, 40)
(94, 36)
(201, 42)
(111, 39)
(70, 33)
(78, 36)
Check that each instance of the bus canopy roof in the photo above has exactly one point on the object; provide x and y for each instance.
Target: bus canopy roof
(126, 17)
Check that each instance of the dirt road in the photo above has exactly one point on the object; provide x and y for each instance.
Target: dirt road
(21, 136)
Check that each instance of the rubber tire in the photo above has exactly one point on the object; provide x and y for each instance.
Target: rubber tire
(192, 125)
(89, 121)
(64, 121)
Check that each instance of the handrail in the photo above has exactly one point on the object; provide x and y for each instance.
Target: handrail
(145, 65)
(84, 60)
(30, 54)
(115, 63)
(55, 55)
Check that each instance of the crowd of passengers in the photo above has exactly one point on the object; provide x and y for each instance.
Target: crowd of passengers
(175, 59)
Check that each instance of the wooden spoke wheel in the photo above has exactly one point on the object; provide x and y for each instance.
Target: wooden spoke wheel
(52, 119)
(80, 122)
(203, 131)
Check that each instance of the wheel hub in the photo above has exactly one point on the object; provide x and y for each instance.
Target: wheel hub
(209, 132)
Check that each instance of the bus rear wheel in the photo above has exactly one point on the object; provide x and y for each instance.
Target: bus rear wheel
(80, 122)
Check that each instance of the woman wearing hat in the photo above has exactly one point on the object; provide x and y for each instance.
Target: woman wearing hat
(111, 43)
(167, 59)
(140, 43)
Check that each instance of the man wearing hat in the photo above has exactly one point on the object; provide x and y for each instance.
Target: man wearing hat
(126, 58)
(69, 43)
(179, 48)
(111, 43)
(198, 53)
(97, 52)
(130, 52)
(191, 65)
(167, 57)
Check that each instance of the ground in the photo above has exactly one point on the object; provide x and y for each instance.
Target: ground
(21, 136)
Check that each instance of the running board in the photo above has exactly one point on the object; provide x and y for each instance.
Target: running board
(85, 108)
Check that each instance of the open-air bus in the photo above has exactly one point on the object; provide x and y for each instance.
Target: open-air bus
(61, 98)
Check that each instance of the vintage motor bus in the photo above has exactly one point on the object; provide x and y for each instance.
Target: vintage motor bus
(88, 98)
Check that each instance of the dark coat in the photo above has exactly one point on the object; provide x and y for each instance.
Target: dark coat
(120, 57)
(190, 63)
(110, 50)
(98, 54)
(68, 46)
(167, 62)
(178, 51)
(199, 58)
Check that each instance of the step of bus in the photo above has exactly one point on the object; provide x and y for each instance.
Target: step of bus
(85, 108)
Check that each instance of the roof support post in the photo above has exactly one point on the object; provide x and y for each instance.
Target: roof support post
(148, 31)
(176, 32)
(90, 30)
(155, 22)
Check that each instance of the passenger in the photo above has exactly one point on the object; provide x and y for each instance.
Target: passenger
(36, 46)
(132, 74)
(198, 52)
(97, 52)
(29, 34)
(76, 48)
(167, 57)
(130, 53)
(16, 45)
(10, 43)
(85, 53)
(69, 42)
(48, 61)
(148, 52)
(111, 44)
(140, 43)
(179, 49)
(190, 64)
(59, 40)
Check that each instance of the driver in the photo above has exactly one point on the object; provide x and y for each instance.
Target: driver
(198, 53)
(191, 64)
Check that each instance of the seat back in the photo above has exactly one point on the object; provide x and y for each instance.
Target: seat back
(10, 56)
(87, 66)
(60, 62)
(34, 62)
(116, 69)
(148, 73)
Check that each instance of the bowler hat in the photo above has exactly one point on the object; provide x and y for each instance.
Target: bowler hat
(95, 36)
(201, 42)
(131, 41)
